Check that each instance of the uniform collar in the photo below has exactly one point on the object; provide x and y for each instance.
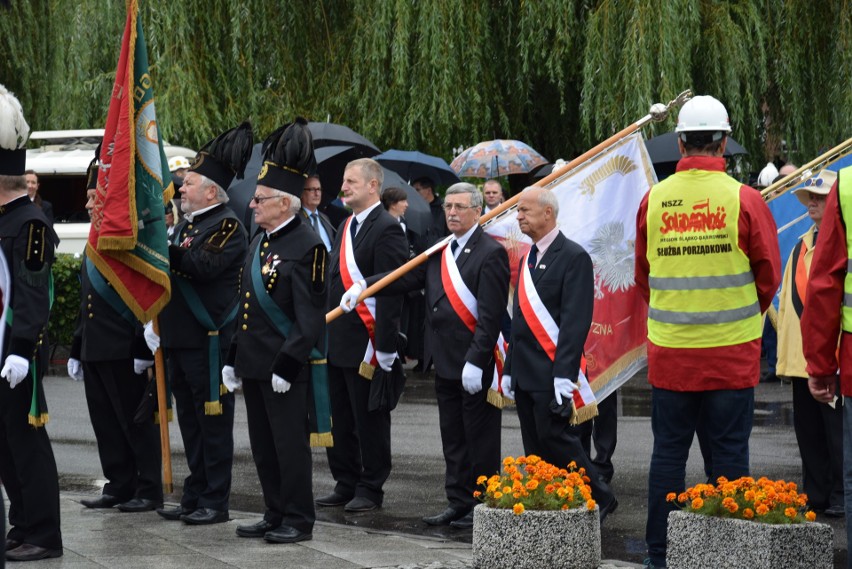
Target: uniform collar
(284, 228)
(197, 216)
(15, 203)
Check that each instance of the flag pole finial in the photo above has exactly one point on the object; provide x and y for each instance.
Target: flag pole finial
(659, 112)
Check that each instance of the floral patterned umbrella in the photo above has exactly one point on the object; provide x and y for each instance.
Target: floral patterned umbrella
(497, 158)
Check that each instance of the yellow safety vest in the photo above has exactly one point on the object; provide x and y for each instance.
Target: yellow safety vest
(844, 197)
(702, 288)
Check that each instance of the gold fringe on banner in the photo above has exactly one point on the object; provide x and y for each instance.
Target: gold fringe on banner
(588, 412)
(366, 370)
(212, 407)
(322, 440)
(617, 367)
(498, 399)
(39, 421)
(222, 389)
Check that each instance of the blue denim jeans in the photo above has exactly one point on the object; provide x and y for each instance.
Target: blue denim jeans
(675, 417)
(847, 473)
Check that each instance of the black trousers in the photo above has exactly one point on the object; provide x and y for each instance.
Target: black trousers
(602, 432)
(360, 460)
(470, 436)
(28, 471)
(130, 454)
(208, 440)
(819, 432)
(280, 444)
(551, 437)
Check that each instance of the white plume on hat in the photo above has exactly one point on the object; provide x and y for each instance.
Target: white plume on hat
(767, 175)
(14, 130)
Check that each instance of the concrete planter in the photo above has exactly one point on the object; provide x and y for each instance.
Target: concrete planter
(704, 542)
(536, 539)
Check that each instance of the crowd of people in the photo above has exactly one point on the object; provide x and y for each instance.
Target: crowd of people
(249, 313)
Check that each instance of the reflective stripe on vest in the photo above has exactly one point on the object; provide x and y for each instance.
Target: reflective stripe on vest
(702, 287)
(844, 198)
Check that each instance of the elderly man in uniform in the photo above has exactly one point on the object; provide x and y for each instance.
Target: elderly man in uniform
(27, 466)
(102, 356)
(206, 256)
(370, 241)
(552, 315)
(281, 328)
(467, 285)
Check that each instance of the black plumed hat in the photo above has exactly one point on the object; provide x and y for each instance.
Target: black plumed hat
(288, 158)
(226, 156)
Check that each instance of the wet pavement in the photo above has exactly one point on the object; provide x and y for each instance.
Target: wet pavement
(415, 487)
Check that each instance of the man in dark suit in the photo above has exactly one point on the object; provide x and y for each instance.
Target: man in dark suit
(463, 315)
(27, 465)
(370, 241)
(102, 356)
(563, 279)
(311, 197)
(206, 255)
(277, 346)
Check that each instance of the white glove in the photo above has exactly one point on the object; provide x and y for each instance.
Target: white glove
(151, 338)
(349, 300)
(386, 359)
(279, 384)
(563, 387)
(139, 366)
(471, 378)
(15, 370)
(75, 369)
(230, 379)
(506, 385)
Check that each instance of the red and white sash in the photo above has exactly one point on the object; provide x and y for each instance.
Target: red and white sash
(466, 307)
(350, 273)
(546, 332)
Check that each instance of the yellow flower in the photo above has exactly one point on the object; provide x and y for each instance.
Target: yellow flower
(518, 508)
(481, 480)
(508, 461)
(498, 495)
(590, 504)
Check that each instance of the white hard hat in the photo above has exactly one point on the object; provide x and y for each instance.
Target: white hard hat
(178, 162)
(703, 113)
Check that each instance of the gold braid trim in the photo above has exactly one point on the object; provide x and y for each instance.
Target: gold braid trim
(322, 440)
(212, 407)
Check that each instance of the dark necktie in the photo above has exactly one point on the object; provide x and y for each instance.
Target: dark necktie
(315, 222)
(353, 227)
(531, 260)
(454, 245)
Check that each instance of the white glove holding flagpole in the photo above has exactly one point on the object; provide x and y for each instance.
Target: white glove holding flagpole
(151, 338)
(349, 300)
(471, 378)
(15, 370)
(230, 379)
(139, 366)
(279, 384)
(75, 369)
(506, 385)
(563, 387)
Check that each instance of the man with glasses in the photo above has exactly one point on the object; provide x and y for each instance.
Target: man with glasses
(370, 241)
(319, 222)
(206, 255)
(466, 290)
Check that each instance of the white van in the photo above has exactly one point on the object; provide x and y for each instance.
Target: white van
(61, 160)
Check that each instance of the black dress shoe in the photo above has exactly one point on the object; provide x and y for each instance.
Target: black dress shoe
(445, 517)
(28, 552)
(205, 516)
(608, 509)
(259, 529)
(464, 522)
(835, 511)
(360, 504)
(286, 534)
(12, 544)
(174, 514)
(102, 501)
(333, 499)
(139, 505)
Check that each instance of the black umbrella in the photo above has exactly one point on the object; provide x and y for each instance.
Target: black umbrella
(664, 148)
(330, 134)
(418, 217)
(411, 165)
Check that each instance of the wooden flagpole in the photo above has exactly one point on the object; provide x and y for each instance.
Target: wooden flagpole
(162, 407)
(658, 112)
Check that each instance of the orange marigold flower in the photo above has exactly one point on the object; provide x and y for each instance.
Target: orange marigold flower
(590, 504)
(682, 497)
(481, 480)
(498, 495)
(518, 509)
(749, 495)
(477, 494)
(670, 497)
(508, 461)
(549, 489)
(810, 516)
(532, 484)
(762, 510)
(697, 503)
(748, 513)
(790, 513)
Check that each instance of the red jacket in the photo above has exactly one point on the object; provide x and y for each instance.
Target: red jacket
(821, 316)
(723, 367)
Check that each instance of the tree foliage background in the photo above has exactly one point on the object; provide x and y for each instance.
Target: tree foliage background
(435, 74)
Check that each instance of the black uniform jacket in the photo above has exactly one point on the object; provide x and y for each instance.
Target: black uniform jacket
(209, 253)
(484, 267)
(293, 267)
(29, 244)
(380, 246)
(564, 279)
